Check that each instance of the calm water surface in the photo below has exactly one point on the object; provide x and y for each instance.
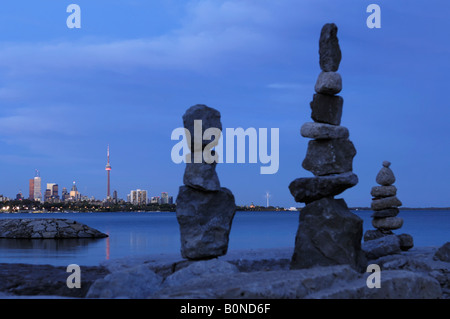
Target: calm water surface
(143, 233)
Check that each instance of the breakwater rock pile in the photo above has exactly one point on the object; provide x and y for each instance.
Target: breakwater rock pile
(328, 233)
(385, 204)
(46, 228)
(205, 210)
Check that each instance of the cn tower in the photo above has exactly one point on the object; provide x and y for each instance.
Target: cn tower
(108, 170)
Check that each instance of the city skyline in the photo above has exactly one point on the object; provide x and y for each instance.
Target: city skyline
(126, 77)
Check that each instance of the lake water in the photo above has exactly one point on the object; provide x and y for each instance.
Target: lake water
(144, 233)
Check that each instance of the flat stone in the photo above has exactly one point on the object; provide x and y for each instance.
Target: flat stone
(328, 83)
(205, 220)
(202, 176)
(382, 246)
(388, 212)
(385, 176)
(372, 234)
(281, 284)
(328, 234)
(199, 269)
(325, 157)
(327, 108)
(306, 190)
(323, 131)
(383, 191)
(387, 223)
(210, 118)
(384, 203)
(329, 50)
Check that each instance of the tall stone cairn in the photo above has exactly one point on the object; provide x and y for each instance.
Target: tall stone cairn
(385, 205)
(205, 210)
(328, 233)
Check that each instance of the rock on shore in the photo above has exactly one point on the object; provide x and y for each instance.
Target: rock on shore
(46, 228)
(419, 273)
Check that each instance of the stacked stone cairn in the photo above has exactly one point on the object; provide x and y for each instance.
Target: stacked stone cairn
(385, 206)
(328, 233)
(205, 210)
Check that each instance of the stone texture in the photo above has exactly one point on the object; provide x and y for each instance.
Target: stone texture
(384, 203)
(325, 157)
(263, 273)
(328, 83)
(210, 118)
(46, 228)
(205, 220)
(388, 212)
(329, 50)
(385, 176)
(45, 280)
(382, 246)
(323, 131)
(372, 234)
(327, 109)
(283, 284)
(308, 189)
(383, 191)
(395, 284)
(388, 223)
(198, 270)
(328, 234)
(406, 241)
(201, 176)
(135, 283)
(443, 253)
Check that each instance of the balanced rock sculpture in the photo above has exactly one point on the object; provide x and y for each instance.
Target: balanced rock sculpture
(328, 233)
(385, 206)
(205, 210)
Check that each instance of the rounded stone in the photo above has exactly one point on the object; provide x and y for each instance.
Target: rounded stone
(388, 223)
(386, 163)
(385, 176)
(406, 241)
(328, 83)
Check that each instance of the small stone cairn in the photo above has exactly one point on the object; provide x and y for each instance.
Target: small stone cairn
(205, 210)
(385, 206)
(328, 233)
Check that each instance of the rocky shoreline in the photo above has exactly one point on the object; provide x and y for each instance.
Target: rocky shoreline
(420, 273)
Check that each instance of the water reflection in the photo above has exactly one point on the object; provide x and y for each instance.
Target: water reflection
(46, 244)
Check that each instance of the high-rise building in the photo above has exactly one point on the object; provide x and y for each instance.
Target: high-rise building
(31, 193)
(74, 194)
(64, 194)
(108, 171)
(164, 198)
(51, 193)
(115, 196)
(138, 197)
(37, 194)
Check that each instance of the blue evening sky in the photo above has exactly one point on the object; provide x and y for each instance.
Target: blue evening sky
(128, 75)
